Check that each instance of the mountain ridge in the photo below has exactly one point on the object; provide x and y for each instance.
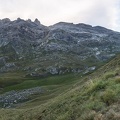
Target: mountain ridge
(38, 49)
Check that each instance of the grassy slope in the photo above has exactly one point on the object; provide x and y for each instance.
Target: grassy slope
(96, 96)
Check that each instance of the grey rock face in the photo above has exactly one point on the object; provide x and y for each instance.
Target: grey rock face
(2, 61)
(11, 98)
(32, 45)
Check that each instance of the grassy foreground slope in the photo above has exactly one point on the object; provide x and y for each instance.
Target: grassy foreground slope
(94, 97)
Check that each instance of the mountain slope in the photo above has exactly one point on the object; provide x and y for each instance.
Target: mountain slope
(61, 48)
(89, 98)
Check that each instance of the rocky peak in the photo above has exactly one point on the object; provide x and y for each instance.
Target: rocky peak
(4, 21)
(29, 20)
(102, 29)
(82, 25)
(19, 19)
(37, 21)
(61, 24)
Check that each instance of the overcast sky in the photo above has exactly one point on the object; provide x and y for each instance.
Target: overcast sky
(95, 12)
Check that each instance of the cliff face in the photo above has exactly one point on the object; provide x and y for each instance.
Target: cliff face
(64, 47)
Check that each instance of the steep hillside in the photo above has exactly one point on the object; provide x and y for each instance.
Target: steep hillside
(92, 97)
(38, 50)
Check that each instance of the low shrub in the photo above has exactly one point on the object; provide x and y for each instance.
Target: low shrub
(117, 80)
(96, 86)
(109, 75)
(108, 96)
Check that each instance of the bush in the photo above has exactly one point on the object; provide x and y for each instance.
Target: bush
(87, 115)
(96, 86)
(108, 97)
(94, 105)
(109, 75)
(117, 80)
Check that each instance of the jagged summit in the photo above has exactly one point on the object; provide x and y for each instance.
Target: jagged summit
(4, 21)
(7, 20)
(19, 19)
(37, 21)
(29, 20)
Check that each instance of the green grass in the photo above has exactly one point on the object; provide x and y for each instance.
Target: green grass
(82, 101)
(49, 81)
(95, 96)
(70, 97)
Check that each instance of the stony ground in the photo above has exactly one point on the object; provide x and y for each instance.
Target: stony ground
(9, 99)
